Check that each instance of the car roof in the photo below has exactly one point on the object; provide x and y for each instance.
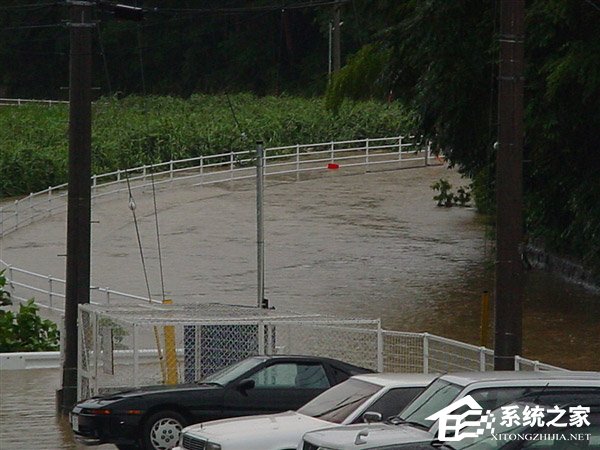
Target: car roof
(333, 361)
(398, 379)
(467, 378)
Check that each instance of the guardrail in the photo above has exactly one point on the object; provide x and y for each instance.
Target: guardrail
(407, 151)
(28, 101)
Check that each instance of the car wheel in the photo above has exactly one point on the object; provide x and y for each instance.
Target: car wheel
(161, 431)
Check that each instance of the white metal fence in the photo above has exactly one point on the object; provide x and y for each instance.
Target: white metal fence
(28, 101)
(296, 160)
(145, 345)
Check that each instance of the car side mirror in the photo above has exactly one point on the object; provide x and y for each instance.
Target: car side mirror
(246, 385)
(372, 417)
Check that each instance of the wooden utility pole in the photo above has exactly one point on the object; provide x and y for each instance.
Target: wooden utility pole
(79, 199)
(509, 187)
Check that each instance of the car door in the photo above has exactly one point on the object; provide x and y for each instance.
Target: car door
(280, 386)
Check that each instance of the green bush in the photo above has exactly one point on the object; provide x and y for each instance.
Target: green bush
(141, 130)
(25, 331)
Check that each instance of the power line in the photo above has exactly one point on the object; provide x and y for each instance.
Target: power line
(29, 6)
(279, 7)
(31, 27)
(592, 4)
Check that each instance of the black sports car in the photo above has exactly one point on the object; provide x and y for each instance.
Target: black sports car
(151, 418)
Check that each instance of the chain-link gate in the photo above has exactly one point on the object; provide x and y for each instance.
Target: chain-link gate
(148, 344)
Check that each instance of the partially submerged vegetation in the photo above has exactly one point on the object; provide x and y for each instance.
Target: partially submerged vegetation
(142, 130)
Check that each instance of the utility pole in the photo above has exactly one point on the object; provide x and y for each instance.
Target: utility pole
(337, 39)
(79, 197)
(509, 187)
(260, 235)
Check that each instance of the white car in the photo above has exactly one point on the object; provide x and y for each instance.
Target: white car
(378, 395)
(412, 430)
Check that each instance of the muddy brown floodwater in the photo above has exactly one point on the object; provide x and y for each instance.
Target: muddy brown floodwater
(367, 245)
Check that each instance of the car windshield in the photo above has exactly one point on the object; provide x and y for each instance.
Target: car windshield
(436, 397)
(230, 373)
(337, 403)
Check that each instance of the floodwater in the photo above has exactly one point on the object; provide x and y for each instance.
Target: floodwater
(370, 245)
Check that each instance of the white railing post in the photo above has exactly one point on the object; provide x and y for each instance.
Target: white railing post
(31, 206)
(380, 349)
(11, 286)
(482, 366)
(427, 150)
(297, 162)
(261, 338)
(50, 291)
(517, 363)
(231, 164)
(171, 170)
(49, 200)
(332, 151)
(400, 149)
(202, 169)
(425, 352)
(16, 214)
(136, 358)
(118, 174)
(144, 170)
(367, 144)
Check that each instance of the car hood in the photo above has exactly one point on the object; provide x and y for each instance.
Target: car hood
(376, 435)
(262, 431)
(147, 391)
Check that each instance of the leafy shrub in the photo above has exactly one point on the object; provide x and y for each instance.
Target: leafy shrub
(25, 331)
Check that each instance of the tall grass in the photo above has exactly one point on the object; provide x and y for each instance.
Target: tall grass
(142, 130)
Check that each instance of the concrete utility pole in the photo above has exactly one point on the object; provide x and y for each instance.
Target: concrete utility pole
(509, 187)
(79, 200)
(337, 39)
(260, 225)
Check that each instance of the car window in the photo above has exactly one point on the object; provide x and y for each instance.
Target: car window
(337, 403)
(232, 372)
(282, 375)
(436, 397)
(393, 401)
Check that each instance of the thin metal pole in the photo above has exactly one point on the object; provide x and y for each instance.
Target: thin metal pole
(260, 238)
(337, 39)
(79, 196)
(330, 58)
(509, 181)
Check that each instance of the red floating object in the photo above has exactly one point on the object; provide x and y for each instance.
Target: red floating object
(333, 166)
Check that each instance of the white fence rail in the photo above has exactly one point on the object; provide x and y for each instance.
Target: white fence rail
(395, 152)
(28, 101)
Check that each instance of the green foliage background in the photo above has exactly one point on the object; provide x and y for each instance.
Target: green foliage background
(141, 130)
